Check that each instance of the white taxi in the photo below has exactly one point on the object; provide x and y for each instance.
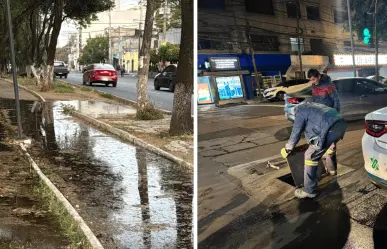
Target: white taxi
(374, 144)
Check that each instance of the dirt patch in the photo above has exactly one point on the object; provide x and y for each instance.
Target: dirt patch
(156, 133)
(24, 223)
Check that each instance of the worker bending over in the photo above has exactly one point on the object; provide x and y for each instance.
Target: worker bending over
(322, 126)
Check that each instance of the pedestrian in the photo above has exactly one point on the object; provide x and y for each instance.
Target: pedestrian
(324, 92)
(123, 71)
(322, 126)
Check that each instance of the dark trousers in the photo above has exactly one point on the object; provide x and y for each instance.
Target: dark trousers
(313, 155)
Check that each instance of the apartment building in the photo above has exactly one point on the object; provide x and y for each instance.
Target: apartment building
(274, 27)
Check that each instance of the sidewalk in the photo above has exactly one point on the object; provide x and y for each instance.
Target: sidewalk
(24, 221)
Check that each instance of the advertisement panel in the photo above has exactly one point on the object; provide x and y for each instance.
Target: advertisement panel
(224, 64)
(229, 87)
(204, 90)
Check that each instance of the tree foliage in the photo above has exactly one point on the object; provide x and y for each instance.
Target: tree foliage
(96, 50)
(174, 17)
(363, 17)
(169, 52)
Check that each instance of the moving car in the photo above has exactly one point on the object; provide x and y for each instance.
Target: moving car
(100, 73)
(278, 92)
(167, 78)
(374, 143)
(60, 69)
(358, 96)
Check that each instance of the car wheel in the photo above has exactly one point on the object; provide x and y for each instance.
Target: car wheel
(156, 84)
(106, 84)
(60, 76)
(171, 87)
(280, 96)
(115, 84)
(65, 76)
(90, 83)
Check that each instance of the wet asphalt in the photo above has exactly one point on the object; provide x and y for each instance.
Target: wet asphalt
(133, 198)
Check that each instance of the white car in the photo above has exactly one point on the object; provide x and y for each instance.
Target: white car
(278, 92)
(374, 145)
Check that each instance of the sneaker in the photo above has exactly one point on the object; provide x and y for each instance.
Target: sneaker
(332, 172)
(301, 194)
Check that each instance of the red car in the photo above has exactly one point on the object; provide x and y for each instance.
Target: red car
(100, 73)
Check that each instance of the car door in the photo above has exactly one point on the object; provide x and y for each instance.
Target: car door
(163, 78)
(351, 98)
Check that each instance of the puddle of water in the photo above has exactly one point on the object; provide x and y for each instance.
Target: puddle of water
(97, 109)
(134, 199)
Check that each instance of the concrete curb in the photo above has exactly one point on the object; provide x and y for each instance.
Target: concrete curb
(92, 239)
(132, 139)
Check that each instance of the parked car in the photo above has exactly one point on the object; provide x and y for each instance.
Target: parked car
(381, 79)
(100, 73)
(60, 69)
(167, 78)
(358, 96)
(278, 92)
(374, 143)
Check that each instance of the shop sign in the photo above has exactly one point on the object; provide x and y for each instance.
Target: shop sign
(229, 87)
(310, 60)
(224, 63)
(204, 90)
(360, 60)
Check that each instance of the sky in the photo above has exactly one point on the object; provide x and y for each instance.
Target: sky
(69, 28)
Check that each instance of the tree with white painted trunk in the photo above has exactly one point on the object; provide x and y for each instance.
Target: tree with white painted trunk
(145, 109)
(181, 121)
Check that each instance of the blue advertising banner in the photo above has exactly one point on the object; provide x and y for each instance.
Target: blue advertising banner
(229, 87)
(204, 90)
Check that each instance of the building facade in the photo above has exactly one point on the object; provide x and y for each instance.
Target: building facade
(274, 29)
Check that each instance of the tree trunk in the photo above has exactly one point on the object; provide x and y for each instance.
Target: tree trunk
(181, 121)
(143, 64)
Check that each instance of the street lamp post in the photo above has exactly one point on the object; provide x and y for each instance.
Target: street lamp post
(14, 73)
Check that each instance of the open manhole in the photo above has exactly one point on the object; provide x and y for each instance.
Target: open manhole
(288, 178)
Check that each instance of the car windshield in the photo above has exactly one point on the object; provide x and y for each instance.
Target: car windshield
(58, 64)
(104, 66)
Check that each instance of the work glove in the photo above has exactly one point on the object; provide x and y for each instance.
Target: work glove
(285, 152)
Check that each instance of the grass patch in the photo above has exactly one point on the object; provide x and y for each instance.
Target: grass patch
(67, 109)
(63, 88)
(106, 95)
(26, 81)
(62, 217)
(149, 113)
(86, 89)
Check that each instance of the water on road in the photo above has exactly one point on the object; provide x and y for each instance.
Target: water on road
(130, 198)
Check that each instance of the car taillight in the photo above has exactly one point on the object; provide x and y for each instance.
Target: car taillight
(375, 128)
(293, 100)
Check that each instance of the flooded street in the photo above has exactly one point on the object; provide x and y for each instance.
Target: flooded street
(129, 197)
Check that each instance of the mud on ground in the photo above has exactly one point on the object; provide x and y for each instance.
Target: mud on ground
(24, 223)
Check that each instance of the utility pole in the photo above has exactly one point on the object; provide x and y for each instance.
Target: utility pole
(165, 21)
(14, 73)
(350, 33)
(120, 46)
(257, 76)
(139, 33)
(110, 40)
(376, 43)
(299, 39)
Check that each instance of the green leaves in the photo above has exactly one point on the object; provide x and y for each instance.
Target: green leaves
(96, 50)
(169, 52)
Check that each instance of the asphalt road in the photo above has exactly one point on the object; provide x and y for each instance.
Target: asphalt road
(126, 88)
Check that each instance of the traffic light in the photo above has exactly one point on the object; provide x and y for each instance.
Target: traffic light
(367, 36)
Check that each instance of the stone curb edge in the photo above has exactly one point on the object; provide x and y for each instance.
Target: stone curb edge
(132, 139)
(118, 99)
(120, 133)
(90, 236)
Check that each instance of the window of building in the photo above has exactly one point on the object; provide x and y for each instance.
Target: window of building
(292, 10)
(313, 13)
(265, 43)
(259, 7)
(317, 46)
(294, 44)
(213, 4)
(340, 16)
